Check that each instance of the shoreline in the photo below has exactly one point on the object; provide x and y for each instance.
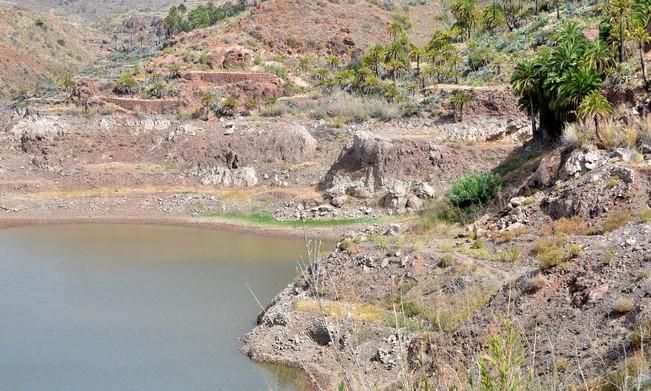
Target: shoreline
(215, 224)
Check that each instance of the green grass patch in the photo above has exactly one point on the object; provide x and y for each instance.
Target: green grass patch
(266, 219)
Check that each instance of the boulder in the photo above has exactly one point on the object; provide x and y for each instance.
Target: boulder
(224, 176)
(624, 173)
(414, 202)
(548, 170)
(424, 190)
(339, 200)
(396, 198)
(319, 331)
(581, 161)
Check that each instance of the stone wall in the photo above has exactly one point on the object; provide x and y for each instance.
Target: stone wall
(148, 105)
(233, 77)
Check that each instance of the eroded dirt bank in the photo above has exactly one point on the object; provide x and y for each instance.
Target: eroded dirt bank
(60, 166)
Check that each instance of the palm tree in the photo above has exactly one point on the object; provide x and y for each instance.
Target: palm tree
(454, 61)
(467, 13)
(395, 67)
(493, 16)
(574, 87)
(599, 56)
(620, 11)
(394, 29)
(458, 100)
(525, 83)
(416, 54)
(394, 52)
(375, 55)
(594, 106)
(642, 37)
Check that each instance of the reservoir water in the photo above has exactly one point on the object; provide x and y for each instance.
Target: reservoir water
(124, 307)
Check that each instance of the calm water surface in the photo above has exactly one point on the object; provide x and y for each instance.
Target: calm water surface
(115, 307)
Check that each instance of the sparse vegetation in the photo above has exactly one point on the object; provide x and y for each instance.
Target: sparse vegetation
(510, 255)
(616, 219)
(554, 251)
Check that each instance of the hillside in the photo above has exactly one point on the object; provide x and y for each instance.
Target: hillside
(95, 10)
(39, 49)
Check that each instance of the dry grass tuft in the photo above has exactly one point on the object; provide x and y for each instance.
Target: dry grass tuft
(623, 305)
(536, 283)
(570, 226)
(339, 310)
(551, 252)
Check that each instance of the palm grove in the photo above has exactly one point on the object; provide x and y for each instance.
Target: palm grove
(562, 83)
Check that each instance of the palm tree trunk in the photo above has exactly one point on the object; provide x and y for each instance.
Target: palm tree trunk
(643, 65)
(621, 37)
(596, 130)
(533, 117)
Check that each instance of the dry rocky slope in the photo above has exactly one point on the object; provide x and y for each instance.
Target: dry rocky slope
(40, 48)
(450, 292)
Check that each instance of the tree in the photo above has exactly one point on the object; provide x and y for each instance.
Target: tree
(620, 11)
(557, 80)
(459, 100)
(642, 37)
(395, 67)
(594, 106)
(599, 56)
(493, 16)
(375, 56)
(416, 54)
(453, 62)
(512, 13)
(394, 52)
(467, 13)
(557, 6)
(526, 84)
(394, 29)
(576, 85)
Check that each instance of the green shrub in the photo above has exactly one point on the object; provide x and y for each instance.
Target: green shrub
(474, 190)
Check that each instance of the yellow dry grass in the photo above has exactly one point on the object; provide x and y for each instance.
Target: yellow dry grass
(340, 310)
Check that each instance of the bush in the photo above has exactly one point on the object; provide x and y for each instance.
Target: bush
(354, 108)
(436, 213)
(473, 190)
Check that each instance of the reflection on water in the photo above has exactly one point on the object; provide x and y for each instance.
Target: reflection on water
(119, 307)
